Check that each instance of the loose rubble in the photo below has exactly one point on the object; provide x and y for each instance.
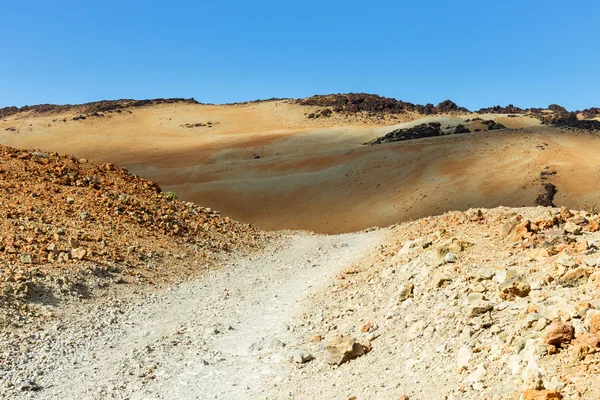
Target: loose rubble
(68, 226)
(516, 315)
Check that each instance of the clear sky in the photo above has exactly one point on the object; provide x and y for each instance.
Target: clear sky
(477, 53)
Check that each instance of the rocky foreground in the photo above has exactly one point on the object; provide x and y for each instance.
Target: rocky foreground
(69, 226)
(487, 304)
(483, 304)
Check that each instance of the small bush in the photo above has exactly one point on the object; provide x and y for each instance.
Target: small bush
(171, 196)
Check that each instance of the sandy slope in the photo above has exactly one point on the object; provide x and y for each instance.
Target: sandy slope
(316, 174)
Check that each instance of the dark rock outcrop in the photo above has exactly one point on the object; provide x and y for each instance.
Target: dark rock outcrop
(569, 120)
(416, 132)
(590, 113)
(372, 103)
(461, 129)
(546, 198)
(493, 125)
(557, 109)
(448, 106)
(91, 108)
(509, 109)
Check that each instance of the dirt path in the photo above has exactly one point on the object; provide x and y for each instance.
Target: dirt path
(221, 337)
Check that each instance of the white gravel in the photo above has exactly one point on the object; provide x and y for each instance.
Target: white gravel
(226, 336)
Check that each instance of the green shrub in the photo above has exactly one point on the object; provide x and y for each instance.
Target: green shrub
(171, 196)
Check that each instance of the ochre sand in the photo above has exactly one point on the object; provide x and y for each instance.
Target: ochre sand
(317, 174)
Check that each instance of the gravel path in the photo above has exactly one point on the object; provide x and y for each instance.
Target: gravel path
(226, 336)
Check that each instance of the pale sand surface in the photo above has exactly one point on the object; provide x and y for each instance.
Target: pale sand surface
(316, 174)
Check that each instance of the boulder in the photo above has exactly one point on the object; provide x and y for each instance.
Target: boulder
(78, 253)
(514, 287)
(575, 277)
(449, 246)
(572, 228)
(460, 128)
(474, 215)
(558, 333)
(342, 349)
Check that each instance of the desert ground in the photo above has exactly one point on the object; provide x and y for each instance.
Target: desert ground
(316, 174)
(310, 253)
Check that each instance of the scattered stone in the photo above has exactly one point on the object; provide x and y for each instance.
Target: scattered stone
(558, 333)
(449, 246)
(430, 129)
(79, 253)
(29, 386)
(460, 128)
(442, 280)
(575, 277)
(572, 228)
(474, 215)
(405, 291)
(586, 343)
(514, 287)
(566, 261)
(450, 258)
(546, 198)
(300, 356)
(342, 349)
(493, 125)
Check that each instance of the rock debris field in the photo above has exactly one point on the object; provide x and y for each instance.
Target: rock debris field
(113, 289)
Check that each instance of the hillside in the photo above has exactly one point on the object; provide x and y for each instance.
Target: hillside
(303, 164)
(68, 225)
(112, 288)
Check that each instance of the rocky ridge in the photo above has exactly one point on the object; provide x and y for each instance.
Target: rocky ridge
(93, 108)
(501, 303)
(372, 103)
(68, 225)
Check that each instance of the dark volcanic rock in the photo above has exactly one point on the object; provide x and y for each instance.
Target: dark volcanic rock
(447, 106)
(431, 129)
(564, 119)
(326, 112)
(569, 120)
(590, 113)
(546, 198)
(461, 129)
(372, 103)
(557, 109)
(587, 124)
(93, 107)
(509, 109)
(493, 125)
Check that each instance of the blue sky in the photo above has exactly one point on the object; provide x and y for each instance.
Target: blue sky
(477, 53)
